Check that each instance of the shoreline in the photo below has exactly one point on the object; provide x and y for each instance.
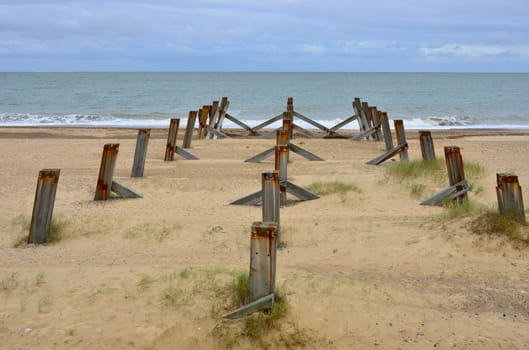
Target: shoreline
(130, 132)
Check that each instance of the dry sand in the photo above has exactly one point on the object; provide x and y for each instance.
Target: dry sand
(369, 269)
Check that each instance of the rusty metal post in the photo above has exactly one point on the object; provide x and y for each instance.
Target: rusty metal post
(384, 122)
(455, 168)
(427, 149)
(509, 193)
(213, 117)
(367, 118)
(190, 126)
(262, 259)
(281, 164)
(288, 124)
(290, 105)
(203, 117)
(171, 139)
(43, 205)
(375, 120)
(140, 153)
(281, 137)
(271, 199)
(106, 171)
(401, 139)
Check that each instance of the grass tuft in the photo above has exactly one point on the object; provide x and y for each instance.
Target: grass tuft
(494, 223)
(9, 282)
(146, 281)
(417, 168)
(332, 187)
(240, 289)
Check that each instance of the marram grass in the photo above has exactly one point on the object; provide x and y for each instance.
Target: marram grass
(331, 187)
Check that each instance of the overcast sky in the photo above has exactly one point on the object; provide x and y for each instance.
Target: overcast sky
(265, 35)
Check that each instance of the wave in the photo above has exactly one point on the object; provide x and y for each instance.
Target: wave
(161, 120)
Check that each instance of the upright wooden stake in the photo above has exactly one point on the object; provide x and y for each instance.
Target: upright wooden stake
(375, 119)
(171, 139)
(401, 139)
(282, 137)
(43, 205)
(140, 154)
(271, 199)
(288, 124)
(509, 193)
(384, 121)
(290, 105)
(427, 149)
(106, 171)
(262, 259)
(456, 171)
(203, 117)
(189, 129)
(281, 164)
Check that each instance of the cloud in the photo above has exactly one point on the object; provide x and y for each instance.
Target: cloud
(475, 51)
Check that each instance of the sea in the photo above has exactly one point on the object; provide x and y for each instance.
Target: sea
(149, 100)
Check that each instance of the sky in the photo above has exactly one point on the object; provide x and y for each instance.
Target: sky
(265, 35)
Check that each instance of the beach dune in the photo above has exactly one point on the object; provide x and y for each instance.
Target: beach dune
(365, 269)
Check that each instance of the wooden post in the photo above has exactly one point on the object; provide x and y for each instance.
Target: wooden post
(454, 166)
(171, 139)
(290, 105)
(509, 193)
(271, 199)
(106, 171)
(384, 121)
(140, 154)
(427, 149)
(367, 118)
(281, 164)
(262, 259)
(203, 117)
(375, 119)
(224, 104)
(401, 139)
(281, 137)
(189, 129)
(43, 205)
(287, 124)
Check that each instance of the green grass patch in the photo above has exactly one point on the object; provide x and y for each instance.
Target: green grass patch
(493, 223)
(9, 282)
(417, 168)
(146, 281)
(332, 187)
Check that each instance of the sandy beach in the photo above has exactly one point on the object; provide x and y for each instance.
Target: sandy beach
(365, 269)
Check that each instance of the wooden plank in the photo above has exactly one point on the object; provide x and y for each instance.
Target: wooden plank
(304, 153)
(456, 190)
(300, 192)
(268, 122)
(454, 166)
(312, 122)
(509, 194)
(386, 131)
(213, 117)
(241, 124)
(185, 154)
(375, 118)
(391, 153)
(363, 135)
(266, 302)
(203, 117)
(281, 165)
(140, 153)
(251, 199)
(344, 123)
(218, 134)
(261, 156)
(106, 171)
(427, 149)
(43, 204)
(401, 138)
(271, 199)
(224, 104)
(171, 139)
(123, 191)
(190, 126)
(262, 259)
